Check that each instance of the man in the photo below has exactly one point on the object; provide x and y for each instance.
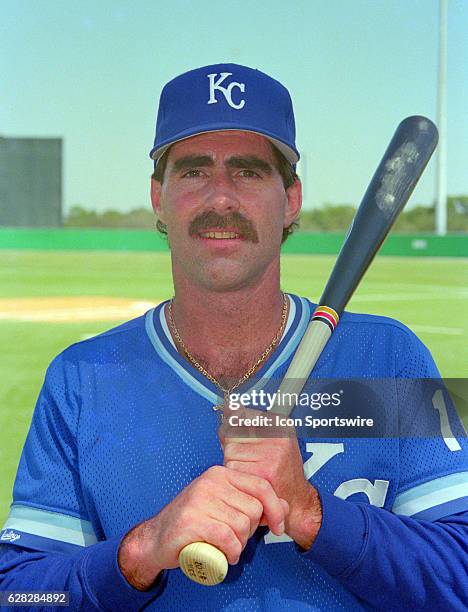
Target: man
(123, 466)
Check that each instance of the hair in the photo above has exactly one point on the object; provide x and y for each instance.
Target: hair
(284, 167)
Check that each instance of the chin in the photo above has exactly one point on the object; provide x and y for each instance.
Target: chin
(224, 278)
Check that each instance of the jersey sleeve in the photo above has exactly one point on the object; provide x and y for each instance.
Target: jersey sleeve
(433, 449)
(48, 512)
(91, 576)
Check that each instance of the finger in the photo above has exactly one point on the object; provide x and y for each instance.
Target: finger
(262, 490)
(246, 450)
(220, 534)
(247, 467)
(218, 491)
(264, 521)
(239, 501)
(241, 513)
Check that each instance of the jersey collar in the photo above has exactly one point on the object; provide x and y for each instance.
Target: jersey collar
(161, 339)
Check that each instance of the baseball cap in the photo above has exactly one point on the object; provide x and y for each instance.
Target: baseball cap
(225, 97)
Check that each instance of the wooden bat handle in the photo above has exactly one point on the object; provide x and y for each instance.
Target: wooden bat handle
(203, 563)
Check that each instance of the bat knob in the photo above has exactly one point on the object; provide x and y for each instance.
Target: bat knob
(203, 563)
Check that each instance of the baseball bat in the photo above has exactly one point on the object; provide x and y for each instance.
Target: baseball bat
(390, 188)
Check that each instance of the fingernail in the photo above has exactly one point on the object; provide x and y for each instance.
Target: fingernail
(281, 527)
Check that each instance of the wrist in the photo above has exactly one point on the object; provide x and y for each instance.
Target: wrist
(305, 518)
(135, 560)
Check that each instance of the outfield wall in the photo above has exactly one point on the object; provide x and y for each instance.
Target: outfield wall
(84, 239)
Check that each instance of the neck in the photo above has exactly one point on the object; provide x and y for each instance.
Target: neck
(227, 332)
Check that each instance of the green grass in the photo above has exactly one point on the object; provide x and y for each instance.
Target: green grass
(429, 295)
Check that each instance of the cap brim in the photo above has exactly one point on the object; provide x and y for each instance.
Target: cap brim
(290, 154)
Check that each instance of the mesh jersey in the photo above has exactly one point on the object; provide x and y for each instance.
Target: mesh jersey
(123, 423)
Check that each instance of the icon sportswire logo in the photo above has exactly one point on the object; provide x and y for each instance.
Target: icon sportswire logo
(9, 536)
(216, 85)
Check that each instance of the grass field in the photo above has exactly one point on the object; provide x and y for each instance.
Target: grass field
(49, 300)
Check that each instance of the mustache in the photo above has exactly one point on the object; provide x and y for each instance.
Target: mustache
(233, 221)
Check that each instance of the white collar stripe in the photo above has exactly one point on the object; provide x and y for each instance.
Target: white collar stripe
(163, 345)
(291, 346)
(181, 371)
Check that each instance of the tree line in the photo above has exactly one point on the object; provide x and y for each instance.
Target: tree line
(329, 218)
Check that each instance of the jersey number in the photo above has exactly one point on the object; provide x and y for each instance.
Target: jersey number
(439, 404)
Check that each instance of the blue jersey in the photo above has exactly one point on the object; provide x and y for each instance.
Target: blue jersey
(123, 423)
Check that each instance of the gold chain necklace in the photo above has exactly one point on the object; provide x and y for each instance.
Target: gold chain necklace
(227, 391)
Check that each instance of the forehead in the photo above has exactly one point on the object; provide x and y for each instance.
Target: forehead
(223, 144)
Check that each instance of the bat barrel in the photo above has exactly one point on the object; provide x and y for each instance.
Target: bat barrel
(390, 188)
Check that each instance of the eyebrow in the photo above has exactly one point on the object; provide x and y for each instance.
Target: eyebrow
(192, 161)
(249, 162)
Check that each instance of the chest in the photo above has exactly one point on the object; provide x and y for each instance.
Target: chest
(131, 468)
(229, 368)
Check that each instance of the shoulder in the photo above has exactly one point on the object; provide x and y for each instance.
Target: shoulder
(376, 324)
(104, 359)
(412, 357)
(389, 344)
(118, 343)
(382, 327)
(363, 322)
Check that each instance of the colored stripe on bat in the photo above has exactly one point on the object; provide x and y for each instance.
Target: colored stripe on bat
(327, 315)
(330, 311)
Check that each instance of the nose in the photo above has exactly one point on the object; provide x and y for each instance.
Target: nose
(222, 195)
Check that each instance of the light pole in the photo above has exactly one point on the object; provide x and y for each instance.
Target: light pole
(441, 204)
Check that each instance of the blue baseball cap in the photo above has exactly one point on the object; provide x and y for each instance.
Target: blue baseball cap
(225, 97)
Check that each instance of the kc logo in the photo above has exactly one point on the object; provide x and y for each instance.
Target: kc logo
(226, 91)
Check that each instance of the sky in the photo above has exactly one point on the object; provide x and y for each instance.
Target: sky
(91, 73)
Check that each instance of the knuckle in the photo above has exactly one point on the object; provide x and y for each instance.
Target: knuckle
(267, 472)
(205, 481)
(236, 549)
(264, 485)
(222, 534)
(197, 492)
(233, 551)
(244, 525)
(257, 509)
(215, 471)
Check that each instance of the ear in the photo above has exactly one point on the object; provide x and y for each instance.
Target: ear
(156, 198)
(294, 202)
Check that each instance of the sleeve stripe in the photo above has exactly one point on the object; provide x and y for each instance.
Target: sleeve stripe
(452, 507)
(431, 494)
(52, 525)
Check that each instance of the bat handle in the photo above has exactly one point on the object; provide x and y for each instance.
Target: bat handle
(203, 563)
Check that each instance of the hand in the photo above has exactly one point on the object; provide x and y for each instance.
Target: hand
(277, 460)
(221, 507)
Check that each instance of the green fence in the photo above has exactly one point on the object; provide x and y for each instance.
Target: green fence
(455, 245)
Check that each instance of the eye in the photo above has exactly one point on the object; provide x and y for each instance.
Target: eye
(245, 173)
(193, 173)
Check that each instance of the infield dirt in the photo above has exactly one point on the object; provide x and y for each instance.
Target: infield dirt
(71, 309)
